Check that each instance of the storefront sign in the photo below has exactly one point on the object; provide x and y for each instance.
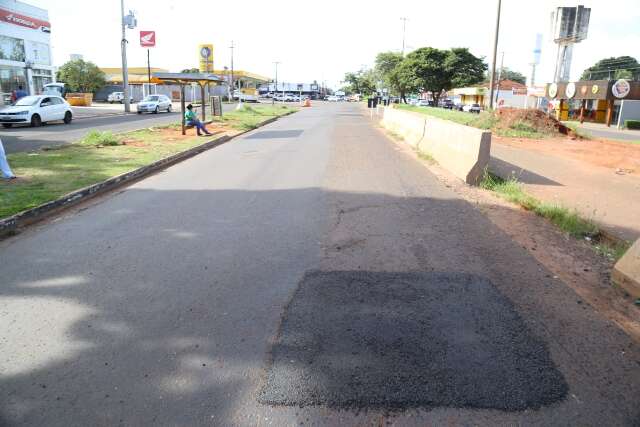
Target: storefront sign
(24, 21)
(570, 90)
(553, 90)
(206, 58)
(148, 39)
(621, 88)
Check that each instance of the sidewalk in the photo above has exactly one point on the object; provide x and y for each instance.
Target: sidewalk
(599, 130)
(598, 193)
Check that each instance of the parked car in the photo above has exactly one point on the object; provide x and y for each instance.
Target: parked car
(117, 97)
(472, 108)
(333, 98)
(424, 103)
(35, 110)
(154, 104)
(446, 103)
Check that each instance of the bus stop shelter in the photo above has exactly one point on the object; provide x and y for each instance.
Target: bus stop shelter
(202, 79)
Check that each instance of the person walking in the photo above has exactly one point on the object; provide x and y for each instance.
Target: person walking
(192, 120)
(17, 94)
(4, 164)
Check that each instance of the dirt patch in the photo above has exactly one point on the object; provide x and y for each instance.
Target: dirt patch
(530, 120)
(623, 157)
(572, 262)
(131, 142)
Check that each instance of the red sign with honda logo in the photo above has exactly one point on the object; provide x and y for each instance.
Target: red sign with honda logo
(147, 38)
(24, 21)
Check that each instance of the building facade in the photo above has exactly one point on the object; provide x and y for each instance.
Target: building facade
(25, 49)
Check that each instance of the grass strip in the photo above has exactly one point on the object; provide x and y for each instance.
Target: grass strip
(48, 174)
(566, 219)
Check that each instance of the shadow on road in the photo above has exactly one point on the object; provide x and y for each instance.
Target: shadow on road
(140, 318)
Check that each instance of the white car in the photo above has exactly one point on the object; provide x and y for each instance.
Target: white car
(117, 97)
(471, 108)
(154, 104)
(333, 98)
(35, 110)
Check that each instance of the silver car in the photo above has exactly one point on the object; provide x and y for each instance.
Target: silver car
(154, 104)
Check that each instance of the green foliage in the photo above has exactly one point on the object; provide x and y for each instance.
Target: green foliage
(632, 124)
(190, 70)
(81, 76)
(97, 138)
(435, 70)
(362, 82)
(567, 220)
(622, 67)
(508, 74)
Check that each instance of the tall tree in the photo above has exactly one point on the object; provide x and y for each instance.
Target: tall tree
(362, 82)
(81, 76)
(613, 68)
(509, 74)
(389, 68)
(436, 70)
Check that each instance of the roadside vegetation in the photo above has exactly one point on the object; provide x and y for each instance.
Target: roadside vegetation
(511, 123)
(567, 220)
(50, 173)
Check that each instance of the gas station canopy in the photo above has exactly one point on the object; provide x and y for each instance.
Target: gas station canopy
(187, 78)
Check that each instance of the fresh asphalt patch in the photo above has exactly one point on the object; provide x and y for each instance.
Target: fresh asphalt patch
(355, 339)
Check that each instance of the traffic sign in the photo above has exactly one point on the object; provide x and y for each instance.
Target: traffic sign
(148, 38)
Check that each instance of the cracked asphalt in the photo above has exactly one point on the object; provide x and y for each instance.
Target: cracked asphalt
(198, 296)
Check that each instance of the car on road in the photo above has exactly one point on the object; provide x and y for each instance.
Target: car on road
(471, 108)
(333, 98)
(154, 104)
(35, 110)
(117, 97)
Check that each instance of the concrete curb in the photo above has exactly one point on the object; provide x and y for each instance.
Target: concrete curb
(626, 272)
(11, 225)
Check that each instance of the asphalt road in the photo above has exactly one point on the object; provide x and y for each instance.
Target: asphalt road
(310, 272)
(20, 139)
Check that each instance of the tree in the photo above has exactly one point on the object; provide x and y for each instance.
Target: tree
(436, 70)
(362, 82)
(508, 74)
(190, 70)
(81, 76)
(613, 69)
(389, 68)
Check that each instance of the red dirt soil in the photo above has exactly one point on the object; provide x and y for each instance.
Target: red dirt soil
(621, 156)
(537, 119)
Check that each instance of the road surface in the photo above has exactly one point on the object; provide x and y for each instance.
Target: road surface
(310, 272)
(20, 139)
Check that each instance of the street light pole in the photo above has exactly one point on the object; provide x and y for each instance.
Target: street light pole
(404, 28)
(495, 54)
(232, 86)
(125, 71)
(275, 88)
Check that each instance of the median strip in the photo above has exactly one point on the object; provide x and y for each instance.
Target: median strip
(57, 178)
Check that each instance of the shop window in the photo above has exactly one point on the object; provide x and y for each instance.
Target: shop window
(11, 78)
(11, 49)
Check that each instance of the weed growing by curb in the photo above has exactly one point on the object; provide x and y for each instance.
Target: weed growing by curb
(97, 138)
(567, 220)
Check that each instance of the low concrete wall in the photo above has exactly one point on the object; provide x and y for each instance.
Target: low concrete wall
(463, 150)
(626, 272)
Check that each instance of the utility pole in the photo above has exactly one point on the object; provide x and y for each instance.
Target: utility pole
(495, 54)
(125, 71)
(404, 29)
(232, 86)
(499, 77)
(275, 88)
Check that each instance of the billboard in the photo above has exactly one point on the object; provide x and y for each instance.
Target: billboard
(148, 39)
(205, 56)
(570, 24)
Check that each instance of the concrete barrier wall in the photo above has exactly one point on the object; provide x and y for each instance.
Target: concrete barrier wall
(462, 150)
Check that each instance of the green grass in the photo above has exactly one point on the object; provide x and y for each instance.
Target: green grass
(566, 219)
(49, 174)
(485, 120)
(249, 116)
(427, 157)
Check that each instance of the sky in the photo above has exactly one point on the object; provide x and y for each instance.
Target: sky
(321, 40)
